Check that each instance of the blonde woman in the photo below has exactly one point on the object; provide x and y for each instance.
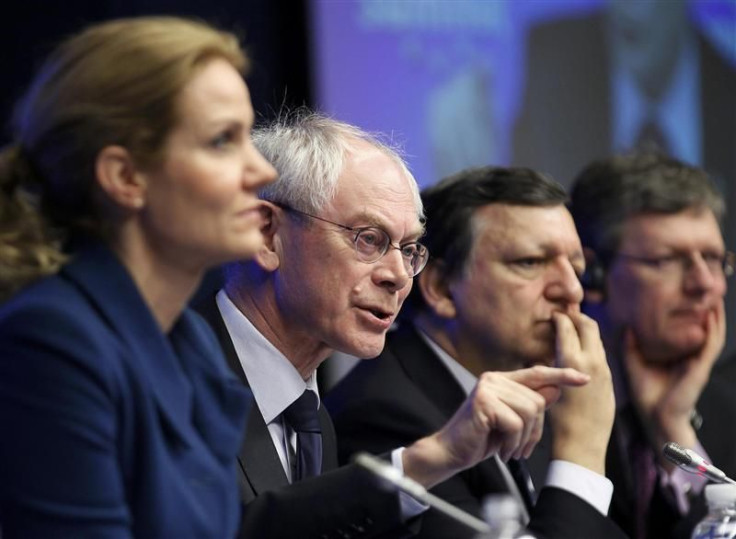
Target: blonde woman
(132, 173)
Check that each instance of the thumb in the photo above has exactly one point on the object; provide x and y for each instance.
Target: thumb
(551, 394)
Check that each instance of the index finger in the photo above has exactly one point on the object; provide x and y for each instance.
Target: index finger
(715, 334)
(567, 341)
(587, 330)
(540, 376)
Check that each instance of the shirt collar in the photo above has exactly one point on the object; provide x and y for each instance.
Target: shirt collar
(463, 376)
(274, 381)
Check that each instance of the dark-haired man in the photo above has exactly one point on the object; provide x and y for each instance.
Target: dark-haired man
(658, 264)
(500, 293)
(341, 228)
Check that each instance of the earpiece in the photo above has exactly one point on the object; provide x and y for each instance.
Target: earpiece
(594, 278)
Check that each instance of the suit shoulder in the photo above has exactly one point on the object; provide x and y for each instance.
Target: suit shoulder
(559, 513)
(53, 323)
(368, 380)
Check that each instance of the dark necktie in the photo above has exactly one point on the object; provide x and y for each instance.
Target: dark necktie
(645, 478)
(643, 467)
(523, 480)
(302, 416)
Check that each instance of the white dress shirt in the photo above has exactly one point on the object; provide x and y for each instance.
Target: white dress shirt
(266, 368)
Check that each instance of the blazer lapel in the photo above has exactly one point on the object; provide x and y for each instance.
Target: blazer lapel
(329, 441)
(259, 462)
(258, 459)
(221, 401)
(101, 276)
(426, 370)
(209, 311)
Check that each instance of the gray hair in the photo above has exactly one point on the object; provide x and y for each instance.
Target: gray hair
(308, 150)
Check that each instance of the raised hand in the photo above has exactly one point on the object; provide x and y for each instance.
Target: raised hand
(665, 394)
(504, 414)
(583, 417)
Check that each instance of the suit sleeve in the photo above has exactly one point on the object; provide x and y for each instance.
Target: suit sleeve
(346, 502)
(384, 409)
(59, 476)
(372, 421)
(561, 514)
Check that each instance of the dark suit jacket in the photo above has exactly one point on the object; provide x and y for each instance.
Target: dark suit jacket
(407, 393)
(108, 427)
(717, 407)
(725, 370)
(343, 502)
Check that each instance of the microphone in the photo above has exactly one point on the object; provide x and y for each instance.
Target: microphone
(394, 477)
(690, 461)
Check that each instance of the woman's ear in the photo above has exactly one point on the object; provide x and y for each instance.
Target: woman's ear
(269, 255)
(119, 178)
(435, 287)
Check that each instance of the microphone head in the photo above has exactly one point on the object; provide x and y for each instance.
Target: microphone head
(677, 454)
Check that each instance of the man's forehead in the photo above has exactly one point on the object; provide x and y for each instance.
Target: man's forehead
(692, 224)
(372, 178)
(516, 221)
(512, 231)
(387, 204)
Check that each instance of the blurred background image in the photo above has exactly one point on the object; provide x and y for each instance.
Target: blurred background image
(550, 84)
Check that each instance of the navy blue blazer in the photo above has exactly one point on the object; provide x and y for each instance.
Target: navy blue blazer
(108, 427)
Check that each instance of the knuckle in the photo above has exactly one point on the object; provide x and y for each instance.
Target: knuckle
(593, 328)
(540, 403)
(533, 408)
(519, 425)
(538, 371)
(515, 425)
(490, 380)
(488, 377)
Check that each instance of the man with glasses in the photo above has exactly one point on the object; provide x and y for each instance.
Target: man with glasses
(371, 243)
(500, 293)
(341, 230)
(655, 283)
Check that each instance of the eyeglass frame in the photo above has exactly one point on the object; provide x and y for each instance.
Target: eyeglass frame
(358, 230)
(685, 261)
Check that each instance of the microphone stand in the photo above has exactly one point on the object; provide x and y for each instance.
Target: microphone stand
(394, 477)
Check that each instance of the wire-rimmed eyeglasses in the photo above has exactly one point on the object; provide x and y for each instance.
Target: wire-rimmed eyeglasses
(679, 263)
(372, 243)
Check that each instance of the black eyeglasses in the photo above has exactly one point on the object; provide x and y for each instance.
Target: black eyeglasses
(371, 243)
(678, 264)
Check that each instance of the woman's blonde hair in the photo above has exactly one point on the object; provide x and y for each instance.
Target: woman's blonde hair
(115, 83)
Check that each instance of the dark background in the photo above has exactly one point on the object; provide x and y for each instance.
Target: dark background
(273, 32)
